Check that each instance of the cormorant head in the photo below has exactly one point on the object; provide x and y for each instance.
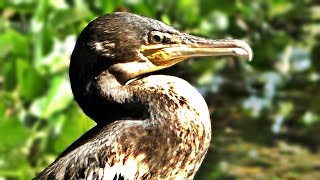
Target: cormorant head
(128, 45)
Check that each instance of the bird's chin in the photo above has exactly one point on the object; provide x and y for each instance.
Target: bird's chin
(129, 71)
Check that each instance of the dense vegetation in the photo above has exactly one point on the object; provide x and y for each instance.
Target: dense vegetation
(266, 113)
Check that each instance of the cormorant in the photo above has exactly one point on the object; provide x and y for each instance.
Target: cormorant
(148, 126)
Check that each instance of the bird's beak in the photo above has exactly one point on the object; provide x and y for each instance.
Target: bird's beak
(184, 46)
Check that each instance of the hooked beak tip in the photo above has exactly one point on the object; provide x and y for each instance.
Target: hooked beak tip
(248, 50)
(243, 49)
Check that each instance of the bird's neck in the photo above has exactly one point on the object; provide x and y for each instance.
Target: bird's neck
(174, 114)
(158, 98)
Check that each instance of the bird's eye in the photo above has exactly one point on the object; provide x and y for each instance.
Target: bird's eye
(156, 37)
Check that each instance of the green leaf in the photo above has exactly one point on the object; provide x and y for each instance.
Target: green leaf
(111, 6)
(58, 98)
(13, 44)
(187, 10)
(16, 165)
(12, 134)
(67, 17)
(70, 127)
(57, 60)
(2, 109)
(8, 70)
(30, 83)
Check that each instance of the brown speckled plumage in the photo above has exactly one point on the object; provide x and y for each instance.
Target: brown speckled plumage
(152, 127)
(175, 152)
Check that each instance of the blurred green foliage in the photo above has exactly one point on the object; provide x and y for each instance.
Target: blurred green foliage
(266, 113)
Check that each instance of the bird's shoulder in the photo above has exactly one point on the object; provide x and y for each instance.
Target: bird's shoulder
(93, 156)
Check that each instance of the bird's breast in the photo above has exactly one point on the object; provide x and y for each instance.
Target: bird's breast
(171, 96)
(184, 132)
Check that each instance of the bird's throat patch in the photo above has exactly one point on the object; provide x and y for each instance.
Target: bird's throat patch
(160, 57)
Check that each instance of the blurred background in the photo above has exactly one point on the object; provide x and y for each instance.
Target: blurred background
(265, 113)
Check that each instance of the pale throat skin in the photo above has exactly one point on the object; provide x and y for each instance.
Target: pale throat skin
(148, 126)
